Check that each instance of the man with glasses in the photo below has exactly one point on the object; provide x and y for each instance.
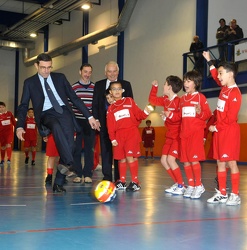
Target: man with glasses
(49, 93)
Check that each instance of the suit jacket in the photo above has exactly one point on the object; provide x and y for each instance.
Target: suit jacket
(32, 90)
(99, 99)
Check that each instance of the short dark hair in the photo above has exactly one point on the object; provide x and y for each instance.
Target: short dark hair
(194, 76)
(222, 19)
(229, 67)
(30, 109)
(2, 104)
(148, 121)
(175, 82)
(114, 82)
(86, 65)
(43, 57)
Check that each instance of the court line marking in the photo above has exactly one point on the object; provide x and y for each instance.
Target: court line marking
(121, 225)
(6, 205)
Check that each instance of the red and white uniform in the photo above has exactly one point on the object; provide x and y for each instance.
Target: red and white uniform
(31, 133)
(51, 149)
(148, 137)
(226, 140)
(171, 146)
(192, 126)
(123, 119)
(7, 124)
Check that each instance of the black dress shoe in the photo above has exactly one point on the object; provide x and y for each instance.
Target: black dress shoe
(48, 179)
(63, 169)
(59, 189)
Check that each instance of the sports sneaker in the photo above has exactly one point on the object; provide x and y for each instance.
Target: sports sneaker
(120, 185)
(2, 163)
(233, 200)
(179, 190)
(133, 187)
(8, 162)
(26, 160)
(33, 163)
(218, 198)
(197, 192)
(188, 192)
(171, 188)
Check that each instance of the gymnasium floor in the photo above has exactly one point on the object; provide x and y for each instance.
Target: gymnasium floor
(32, 217)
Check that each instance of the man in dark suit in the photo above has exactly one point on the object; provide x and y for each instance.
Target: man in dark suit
(100, 106)
(59, 121)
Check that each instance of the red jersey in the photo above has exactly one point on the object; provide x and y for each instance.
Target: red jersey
(228, 105)
(191, 121)
(7, 123)
(31, 129)
(123, 114)
(173, 127)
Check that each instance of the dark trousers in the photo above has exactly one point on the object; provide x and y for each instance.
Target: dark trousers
(87, 135)
(62, 129)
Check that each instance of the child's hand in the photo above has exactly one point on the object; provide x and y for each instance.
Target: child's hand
(198, 109)
(148, 109)
(206, 55)
(155, 83)
(114, 143)
(45, 139)
(165, 114)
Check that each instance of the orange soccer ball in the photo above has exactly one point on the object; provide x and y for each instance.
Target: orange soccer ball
(105, 191)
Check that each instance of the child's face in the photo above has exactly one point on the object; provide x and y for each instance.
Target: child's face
(189, 86)
(148, 124)
(30, 113)
(116, 91)
(2, 109)
(166, 89)
(224, 76)
(109, 98)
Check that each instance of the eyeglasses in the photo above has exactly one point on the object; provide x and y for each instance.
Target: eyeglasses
(116, 89)
(45, 68)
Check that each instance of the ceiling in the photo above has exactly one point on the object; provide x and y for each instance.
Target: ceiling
(19, 18)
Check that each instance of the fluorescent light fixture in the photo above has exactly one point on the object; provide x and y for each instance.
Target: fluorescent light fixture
(87, 6)
(33, 34)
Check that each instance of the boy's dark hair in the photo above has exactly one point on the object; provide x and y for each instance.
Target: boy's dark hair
(148, 121)
(43, 57)
(194, 76)
(2, 104)
(86, 65)
(175, 82)
(229, 67)
(115, 82)
(30, 109)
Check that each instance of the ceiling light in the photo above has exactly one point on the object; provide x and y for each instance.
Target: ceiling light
(33, 34)
(86, 6)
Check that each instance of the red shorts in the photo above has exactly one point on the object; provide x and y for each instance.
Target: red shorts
(51, 149)
(192, 147)
(148, 143)
(6, 138)
(171, 147)
(226, 144)
(30, 143)
(128, 144)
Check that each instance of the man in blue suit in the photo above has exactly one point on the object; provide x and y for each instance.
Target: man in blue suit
(62, 123)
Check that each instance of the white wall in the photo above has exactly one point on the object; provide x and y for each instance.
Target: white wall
(158, 34)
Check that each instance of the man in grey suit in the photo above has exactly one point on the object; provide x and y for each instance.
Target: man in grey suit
(61, 123)
(99, 112)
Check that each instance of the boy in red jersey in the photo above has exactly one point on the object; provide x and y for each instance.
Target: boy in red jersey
(226, 139)
(194, 112)
(30, 136)
(148, 137)
(170, 152)
(123, 119)
(7, 124)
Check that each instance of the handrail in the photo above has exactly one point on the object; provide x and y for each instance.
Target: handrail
(209, 87)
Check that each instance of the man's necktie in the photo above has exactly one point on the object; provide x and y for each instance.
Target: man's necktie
(52, 98)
